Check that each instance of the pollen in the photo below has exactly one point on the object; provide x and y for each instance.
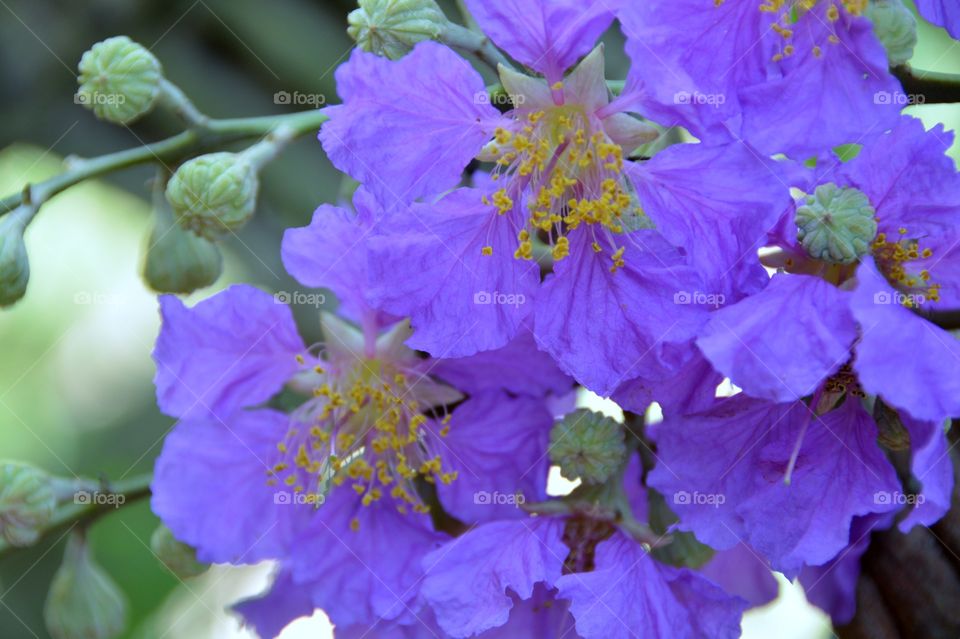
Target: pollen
(894, 259)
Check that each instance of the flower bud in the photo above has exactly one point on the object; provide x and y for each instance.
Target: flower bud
(119, 80)
(27, 502)
(14, 264)
(587, 445)
(836, 224)
(895, 27)
(179, 261)
(84, 602)
(391, 28)
(178, 557)
(213, 194)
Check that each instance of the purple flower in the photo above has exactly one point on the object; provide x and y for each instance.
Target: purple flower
(786, 78)
(462, 267)
(943, 13)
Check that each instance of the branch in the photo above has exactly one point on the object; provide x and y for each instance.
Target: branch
(934, 87)
(71, 513)
(213, 134)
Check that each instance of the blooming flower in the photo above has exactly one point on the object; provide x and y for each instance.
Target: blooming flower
(789, 77)
(462, 268)
(331, 487)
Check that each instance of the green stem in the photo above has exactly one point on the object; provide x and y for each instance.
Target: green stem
(213, 134)
(474, 42)
(72, 513)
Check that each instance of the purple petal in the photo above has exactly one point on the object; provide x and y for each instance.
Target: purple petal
(716, 202)
(546, 35)
(235, 349)
(932, 466)
(210, 488)
(492, 485)
(945, 13)
(781, 343)
(630, 594)
(603, 328)
(278, 607)
(360, 576)
(724, 472)
(407, 128)
(459, 300)
(519, 367)
(742, 572)
(468, 579)
(691, 388)
(912, 364)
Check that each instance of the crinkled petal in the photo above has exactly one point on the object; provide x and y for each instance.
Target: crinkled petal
(932, 466)
(944, 13)
(468, 579)
(519, 367)
(459, 300)
(210, 488)
(629, 594)
(602, 327)
(781, 343)
(359, 576)
(724, 473)
(235, 349)
(492, 484)
(717, 202)
(407, 128)
(913, 364)
(741, 571)
(546, 35)
(692, 388)
(278, 607)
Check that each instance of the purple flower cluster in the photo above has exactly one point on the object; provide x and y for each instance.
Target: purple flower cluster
(493, 260)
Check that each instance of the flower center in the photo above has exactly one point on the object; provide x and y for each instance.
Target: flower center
(573, 173)
(361, 426)
(894, 260)
(836, 225)
(788, 12)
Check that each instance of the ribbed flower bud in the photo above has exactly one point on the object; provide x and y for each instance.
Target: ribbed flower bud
(213, 194)
(391, 28)
(587, 445)
(84, 602)
(119, 80)
(14, 264)
(179, 261)
(180, 558)
(895, 26)
(836, 224)
(27, 502)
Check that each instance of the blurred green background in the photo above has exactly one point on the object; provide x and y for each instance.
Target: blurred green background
(76, 396)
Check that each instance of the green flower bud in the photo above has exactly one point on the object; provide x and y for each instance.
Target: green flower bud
(14, 264)
(84, 602)
(392, 27)
(119, 80)
(178, 557)
(27, 502)
(836, 224)
(895, 26)
(214, 194)
(587, 445)
(179, 261)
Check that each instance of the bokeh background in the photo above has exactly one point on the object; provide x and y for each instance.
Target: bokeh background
(76, 396)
